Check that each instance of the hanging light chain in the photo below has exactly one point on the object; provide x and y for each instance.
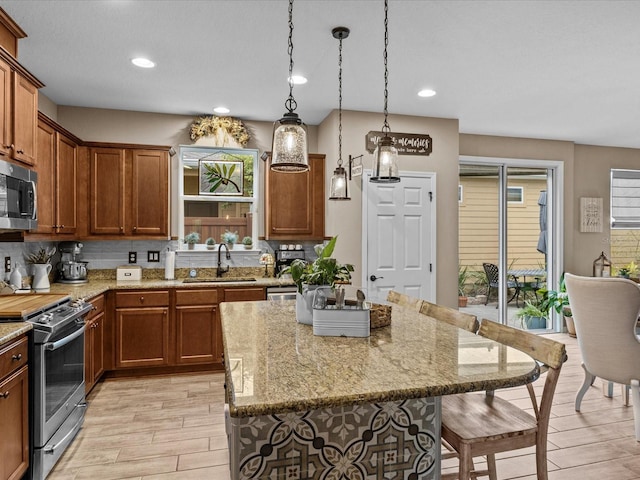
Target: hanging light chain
(290, 104)
(385, 125)
(340, 102)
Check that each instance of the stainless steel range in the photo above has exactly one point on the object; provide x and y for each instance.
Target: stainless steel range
(58, 371)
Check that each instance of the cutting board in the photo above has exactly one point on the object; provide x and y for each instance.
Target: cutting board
(19, 305)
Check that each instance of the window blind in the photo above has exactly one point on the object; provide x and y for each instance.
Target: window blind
(625, 199)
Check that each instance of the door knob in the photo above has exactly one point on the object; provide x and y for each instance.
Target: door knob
(373, 278)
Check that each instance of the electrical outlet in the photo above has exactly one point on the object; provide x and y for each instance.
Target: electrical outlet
(7, 264)
(133, 257)
(153, 256)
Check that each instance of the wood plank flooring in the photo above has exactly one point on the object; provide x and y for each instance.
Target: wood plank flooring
(172, 428)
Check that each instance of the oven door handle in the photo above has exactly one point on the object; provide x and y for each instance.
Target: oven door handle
(62, 342)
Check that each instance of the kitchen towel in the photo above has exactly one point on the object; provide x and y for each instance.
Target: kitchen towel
(170, 265)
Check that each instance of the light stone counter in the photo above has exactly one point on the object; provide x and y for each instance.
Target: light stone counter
(349, 405)
(9, 331)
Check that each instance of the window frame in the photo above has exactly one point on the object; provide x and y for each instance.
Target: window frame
(623, 222)
(253, 199)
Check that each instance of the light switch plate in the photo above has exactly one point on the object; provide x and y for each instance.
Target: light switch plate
(153, 256)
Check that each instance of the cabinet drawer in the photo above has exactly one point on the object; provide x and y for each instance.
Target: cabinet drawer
(145, 298)
(13, 356)
(244, 294)
(205, 296)
(98, 306)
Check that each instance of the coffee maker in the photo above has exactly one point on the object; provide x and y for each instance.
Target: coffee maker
(69, 269)
(284, 258)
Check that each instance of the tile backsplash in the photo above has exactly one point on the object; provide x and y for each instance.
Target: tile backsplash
(111, 254)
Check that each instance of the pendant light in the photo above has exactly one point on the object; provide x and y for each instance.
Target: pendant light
(289, 150)
(385, 156)
(339, 181)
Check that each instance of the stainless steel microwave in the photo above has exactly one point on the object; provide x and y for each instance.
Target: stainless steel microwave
(18, 197)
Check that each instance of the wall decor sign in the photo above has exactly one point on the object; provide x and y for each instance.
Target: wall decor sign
(406, 143)
(590, 214)
(220, 177)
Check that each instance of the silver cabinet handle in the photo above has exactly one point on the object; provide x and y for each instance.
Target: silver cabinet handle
(16, 358)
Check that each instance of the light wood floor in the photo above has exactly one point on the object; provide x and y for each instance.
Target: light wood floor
(172, 427)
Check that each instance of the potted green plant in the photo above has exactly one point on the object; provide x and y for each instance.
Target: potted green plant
(309, 276)
(210, 243)
(532, 316)
(247, 242)
(463, 274)
(229, 238)
(191, 239)
(41, 261)
(558, 300)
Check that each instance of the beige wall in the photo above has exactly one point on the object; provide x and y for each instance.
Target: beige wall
(345, 218)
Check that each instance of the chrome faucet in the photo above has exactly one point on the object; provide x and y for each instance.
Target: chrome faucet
(220, 270)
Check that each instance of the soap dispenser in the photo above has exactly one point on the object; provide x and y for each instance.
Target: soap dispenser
(15, 278)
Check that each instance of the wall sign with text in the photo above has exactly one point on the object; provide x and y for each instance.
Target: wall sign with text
(406, 143)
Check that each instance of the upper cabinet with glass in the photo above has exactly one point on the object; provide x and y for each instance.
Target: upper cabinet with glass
(218, 192)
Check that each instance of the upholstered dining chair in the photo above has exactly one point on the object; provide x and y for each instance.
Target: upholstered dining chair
(404, 300)
(605, 312)
(475, 424)
(493, 281)
(466, 321)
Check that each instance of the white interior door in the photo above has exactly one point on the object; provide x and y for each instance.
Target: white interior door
(399, 236)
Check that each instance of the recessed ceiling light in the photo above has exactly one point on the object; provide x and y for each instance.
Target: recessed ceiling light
(298, 79)
(143, 62)
(427, 92)
(221, 110)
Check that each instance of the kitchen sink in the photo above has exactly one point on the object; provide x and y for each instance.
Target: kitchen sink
(219, 279)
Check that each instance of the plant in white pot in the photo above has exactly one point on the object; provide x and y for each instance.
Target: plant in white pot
(41, 261)
(191, 239)
(324, 271)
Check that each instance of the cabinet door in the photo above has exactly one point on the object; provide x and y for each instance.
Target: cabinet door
(6, 78)
(244, 294)
(150, 193)
(197, 331)
(66, 174)
(94, 351)
(142, 337)
(25, 119)
(14, 424)
(46, 179)
(106, 187)
(294, 202)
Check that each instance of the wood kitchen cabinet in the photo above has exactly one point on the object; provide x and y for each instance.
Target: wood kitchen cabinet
(128, 192)
(142, 328)
(14, 409)
(18, 111)
(94, 343)
(294, 202)
(197, 326)
(57, 168)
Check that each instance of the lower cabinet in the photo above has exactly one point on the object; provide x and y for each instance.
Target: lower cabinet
(14, 409)
(197, 327)
(94, 343)
(142, 328)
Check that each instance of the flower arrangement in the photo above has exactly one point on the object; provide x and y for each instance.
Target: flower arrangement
(627, 270)
(247, 241)
(192, 238)
(212, 125)
(229, 237)
(41, 256)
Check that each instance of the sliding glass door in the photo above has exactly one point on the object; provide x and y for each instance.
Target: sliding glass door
(509, 241)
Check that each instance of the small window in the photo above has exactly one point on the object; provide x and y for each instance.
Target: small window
(460, 191)
(625, 199)
(515, 194)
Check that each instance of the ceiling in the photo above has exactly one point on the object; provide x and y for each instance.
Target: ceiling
(563, 70)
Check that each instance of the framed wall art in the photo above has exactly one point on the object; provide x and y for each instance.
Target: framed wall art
(217, 177)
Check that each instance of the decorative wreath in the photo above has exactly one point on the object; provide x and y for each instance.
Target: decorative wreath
(206, 126)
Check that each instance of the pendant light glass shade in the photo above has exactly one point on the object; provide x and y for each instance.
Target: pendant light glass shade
(289, 152)
(385, 156)
(385, 162)
(339, 185)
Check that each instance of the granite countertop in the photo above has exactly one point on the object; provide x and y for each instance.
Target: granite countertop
(9, 331)
(274, 364)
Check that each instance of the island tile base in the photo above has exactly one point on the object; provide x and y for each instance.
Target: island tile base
(398, 440)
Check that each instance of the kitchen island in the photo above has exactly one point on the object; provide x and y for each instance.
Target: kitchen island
(304, 406)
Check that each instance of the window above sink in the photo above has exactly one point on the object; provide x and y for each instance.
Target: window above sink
(217, 192)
